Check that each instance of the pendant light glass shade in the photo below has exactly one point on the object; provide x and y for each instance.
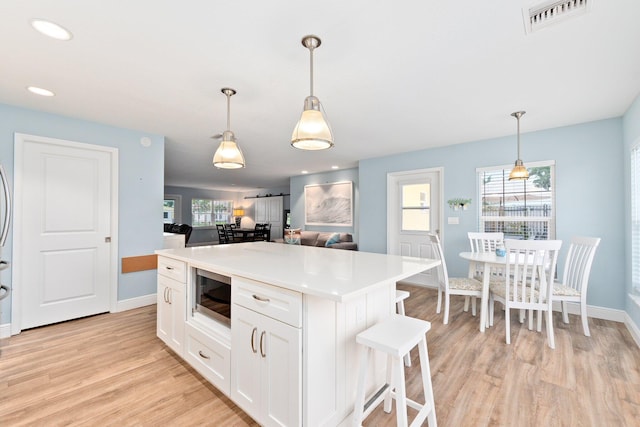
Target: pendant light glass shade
(312, 131)
(519, 171)
(228, 155)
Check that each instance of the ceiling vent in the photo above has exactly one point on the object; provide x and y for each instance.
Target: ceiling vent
(541, 15)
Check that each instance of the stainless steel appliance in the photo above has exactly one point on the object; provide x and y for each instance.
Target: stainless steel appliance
(5, 219)
(213, 296)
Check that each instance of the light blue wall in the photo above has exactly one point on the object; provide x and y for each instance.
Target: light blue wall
(297, 184)
(631, 126)
(141, 176)
(589, 194)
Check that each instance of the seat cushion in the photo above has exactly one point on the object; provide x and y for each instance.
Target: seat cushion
(308, 238)
(464, 284)
(561, 290)
(499, 290)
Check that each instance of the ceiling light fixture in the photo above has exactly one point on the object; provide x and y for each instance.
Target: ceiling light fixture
(228, 155)
(518, 171)
(40, 91)
(312, 131)
(51, 29)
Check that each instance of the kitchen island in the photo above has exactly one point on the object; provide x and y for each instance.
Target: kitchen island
(287, 355)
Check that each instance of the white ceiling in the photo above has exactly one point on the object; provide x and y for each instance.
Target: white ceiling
(393, 76)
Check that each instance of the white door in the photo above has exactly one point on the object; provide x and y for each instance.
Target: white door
(64, 205)
(413, 211)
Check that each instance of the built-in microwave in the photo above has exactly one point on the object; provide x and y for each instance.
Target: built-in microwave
(213, 296)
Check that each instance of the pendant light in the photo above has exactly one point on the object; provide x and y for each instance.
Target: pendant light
(228, 155)
(518, 171)
(312, 131)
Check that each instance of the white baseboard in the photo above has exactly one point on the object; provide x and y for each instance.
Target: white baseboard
(594, 311)
(131, 303)
(5, 330)
(633, 329)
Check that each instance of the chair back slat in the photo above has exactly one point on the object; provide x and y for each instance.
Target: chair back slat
(530, 271)
(484, 241)
(443, 278)
(578, 262)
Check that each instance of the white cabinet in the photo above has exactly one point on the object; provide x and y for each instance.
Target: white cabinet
(268, 210)
(171, 312)
(266, 370)
(209, 355)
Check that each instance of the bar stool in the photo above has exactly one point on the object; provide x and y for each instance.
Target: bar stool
(395, 336)
(400, 297)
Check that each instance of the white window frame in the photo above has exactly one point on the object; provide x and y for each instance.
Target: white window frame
(177, 206)
(214, 221)
(551, 220)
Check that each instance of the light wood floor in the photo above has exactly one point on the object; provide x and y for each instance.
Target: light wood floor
(112, 370)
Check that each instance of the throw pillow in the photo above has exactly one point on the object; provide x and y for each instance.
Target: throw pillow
(335, 238)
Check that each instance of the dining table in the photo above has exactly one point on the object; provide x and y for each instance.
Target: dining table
(246, 234)
(488, 260)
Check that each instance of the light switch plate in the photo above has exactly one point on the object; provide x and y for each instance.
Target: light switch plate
(453, 220)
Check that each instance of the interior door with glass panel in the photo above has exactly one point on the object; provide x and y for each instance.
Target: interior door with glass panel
(413, 213)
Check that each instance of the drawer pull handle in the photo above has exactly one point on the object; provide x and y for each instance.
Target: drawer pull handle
(204, 356)
(169, 268)
(253, 339)
(261, 299)
(261, 346)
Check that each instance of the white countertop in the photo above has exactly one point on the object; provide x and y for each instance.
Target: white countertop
(334, 274)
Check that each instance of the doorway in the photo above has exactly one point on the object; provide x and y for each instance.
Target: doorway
(65, 231)
(414, 209)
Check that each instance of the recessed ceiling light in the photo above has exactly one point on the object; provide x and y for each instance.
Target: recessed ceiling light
(304, 172)
(335, 167)
(51, 29)
(40, 91)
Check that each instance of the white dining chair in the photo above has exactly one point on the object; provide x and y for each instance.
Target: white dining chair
(575, 279)
(528, 283)
(482, 242)
(451, 285)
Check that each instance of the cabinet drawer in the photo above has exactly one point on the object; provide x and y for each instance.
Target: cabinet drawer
(278, 303)
(210, 357)
(172, 268)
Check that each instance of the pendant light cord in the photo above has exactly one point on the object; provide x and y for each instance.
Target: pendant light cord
(518, 118)
(228, 112)
(311, 68)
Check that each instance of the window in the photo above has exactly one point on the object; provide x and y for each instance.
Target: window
(415, 207)
(172, 209)
(207, 212)
(519, 209)
(635, 217)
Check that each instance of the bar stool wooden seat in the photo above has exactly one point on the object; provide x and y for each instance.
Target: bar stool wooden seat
(395, 336)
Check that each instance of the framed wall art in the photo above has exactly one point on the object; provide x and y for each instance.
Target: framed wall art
(329, 204)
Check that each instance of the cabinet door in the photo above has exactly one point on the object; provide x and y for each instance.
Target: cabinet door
(245, 359)
(163, 322)
(171, 306)
(177, 304)
(281, 374)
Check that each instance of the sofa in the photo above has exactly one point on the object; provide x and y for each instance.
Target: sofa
(320, 238)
